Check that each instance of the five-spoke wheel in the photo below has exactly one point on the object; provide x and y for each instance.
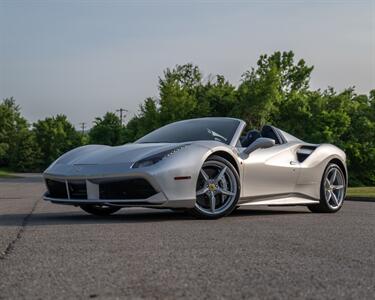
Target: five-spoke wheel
(332, 191)
(217, 189)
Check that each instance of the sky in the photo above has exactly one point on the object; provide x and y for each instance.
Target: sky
(84, 58)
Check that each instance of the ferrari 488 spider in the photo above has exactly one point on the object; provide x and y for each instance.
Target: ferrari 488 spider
(207, 166)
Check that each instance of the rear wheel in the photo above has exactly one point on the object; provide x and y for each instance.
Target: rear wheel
(100, 210)
(332, 190)
(217, 190)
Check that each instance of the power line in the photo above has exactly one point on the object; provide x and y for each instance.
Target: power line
(121, 111)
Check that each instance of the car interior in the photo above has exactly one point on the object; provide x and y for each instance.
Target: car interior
(267, 131)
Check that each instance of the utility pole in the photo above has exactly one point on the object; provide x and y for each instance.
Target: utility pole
(83, 124)
(121, 111)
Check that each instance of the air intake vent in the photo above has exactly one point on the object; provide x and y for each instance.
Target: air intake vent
(56, 189)
(77, 189)
(126, 189)
(304, 152)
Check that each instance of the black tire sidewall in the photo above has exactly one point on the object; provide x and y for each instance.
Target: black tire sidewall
(99, 211)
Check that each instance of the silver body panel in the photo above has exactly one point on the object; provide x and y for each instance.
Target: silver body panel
(272, 176)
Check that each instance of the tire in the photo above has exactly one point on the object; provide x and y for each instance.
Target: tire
(332, 190)
(218, 189)
(99, 210)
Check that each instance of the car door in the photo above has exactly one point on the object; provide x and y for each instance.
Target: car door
(270, 171)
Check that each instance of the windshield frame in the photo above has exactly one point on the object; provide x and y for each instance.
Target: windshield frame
(233, 142)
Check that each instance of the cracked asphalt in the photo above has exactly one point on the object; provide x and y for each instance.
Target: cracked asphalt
(59, 252)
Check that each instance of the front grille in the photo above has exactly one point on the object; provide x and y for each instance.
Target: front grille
(56, 189)
(126, 189)
(77, 189)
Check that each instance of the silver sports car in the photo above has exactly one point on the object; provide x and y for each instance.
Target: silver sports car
(208, 166)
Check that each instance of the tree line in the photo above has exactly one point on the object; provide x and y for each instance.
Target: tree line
(276, 91)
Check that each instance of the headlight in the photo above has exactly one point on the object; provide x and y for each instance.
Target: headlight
(153, 159)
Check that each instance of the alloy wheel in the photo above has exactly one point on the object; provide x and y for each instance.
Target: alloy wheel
(216, 188)
(334, 187)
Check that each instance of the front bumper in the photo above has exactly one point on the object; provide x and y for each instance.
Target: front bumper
(167, 192)
(102, 191)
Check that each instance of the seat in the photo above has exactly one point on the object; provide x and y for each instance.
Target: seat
(250, 137)
(272, 133)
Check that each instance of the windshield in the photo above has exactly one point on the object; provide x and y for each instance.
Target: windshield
(215, 129)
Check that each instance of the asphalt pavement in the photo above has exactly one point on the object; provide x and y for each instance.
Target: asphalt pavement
(52, 251)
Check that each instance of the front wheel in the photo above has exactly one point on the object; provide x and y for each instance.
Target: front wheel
(218, 189)
(100, 210)
(332, 190)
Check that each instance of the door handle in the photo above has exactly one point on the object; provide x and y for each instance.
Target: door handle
(292, 162)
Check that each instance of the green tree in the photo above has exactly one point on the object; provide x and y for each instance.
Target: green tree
(10, 123)
(178, 93)
(147, 120)
(263, 89)
(26, 155)
(216, 98)
(107, 130)
(18, 149)
(358, 140)
(55, 136)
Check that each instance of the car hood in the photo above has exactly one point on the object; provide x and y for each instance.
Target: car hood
(100, 154)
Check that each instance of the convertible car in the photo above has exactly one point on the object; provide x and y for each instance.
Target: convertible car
(207, 166)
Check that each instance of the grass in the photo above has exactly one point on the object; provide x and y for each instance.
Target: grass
(4, 173)
(365, 192)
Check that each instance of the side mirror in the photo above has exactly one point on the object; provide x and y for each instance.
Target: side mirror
(259, 143)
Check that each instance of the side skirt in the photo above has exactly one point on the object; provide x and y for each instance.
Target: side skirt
(279, 200)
